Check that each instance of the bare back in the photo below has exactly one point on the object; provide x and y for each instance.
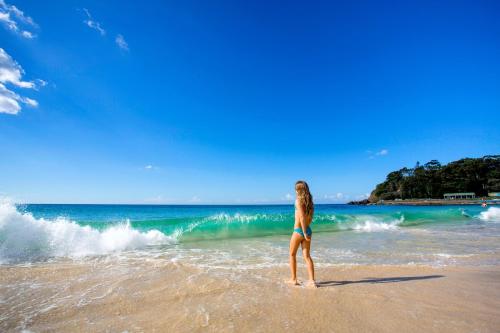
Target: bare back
(300, 214)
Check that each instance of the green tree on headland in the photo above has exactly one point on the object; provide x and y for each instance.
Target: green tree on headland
(432, 180)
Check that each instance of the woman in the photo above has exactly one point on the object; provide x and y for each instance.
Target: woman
(304, 210)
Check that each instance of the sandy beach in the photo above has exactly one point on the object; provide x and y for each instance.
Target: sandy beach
(116, 296)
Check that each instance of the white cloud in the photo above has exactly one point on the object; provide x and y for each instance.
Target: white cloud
(16, 21)
(372, 155)
(11, 73)
(27, 34)
(31, 102)
(19, 14)
(120, 41)
(339, 196)
(40, 83)
(382, 152)
(9, 101)
(151, 167)
(92, 24)
(288, 197)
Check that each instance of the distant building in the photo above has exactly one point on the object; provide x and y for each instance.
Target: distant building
(494, 194)
(465, 195)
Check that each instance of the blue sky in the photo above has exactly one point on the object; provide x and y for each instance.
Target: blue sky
(232, 102)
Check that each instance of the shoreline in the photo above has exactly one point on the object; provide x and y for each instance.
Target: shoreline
(427, 202)
(174, 297)
(434, 202)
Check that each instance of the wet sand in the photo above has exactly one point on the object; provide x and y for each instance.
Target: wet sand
(155, 296)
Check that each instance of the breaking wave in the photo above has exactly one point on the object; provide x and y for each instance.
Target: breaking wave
(492, 214)
(25, 238)
(374, 226)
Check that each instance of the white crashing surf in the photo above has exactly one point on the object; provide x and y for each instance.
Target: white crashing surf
(26, 238)
(492, 214)
(371, 225)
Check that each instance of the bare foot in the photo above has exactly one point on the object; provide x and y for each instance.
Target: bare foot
(311, 284)
(293, 282)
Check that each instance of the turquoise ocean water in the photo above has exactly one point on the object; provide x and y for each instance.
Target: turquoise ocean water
(249, 236)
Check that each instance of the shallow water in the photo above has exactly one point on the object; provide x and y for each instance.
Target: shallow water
(249, 236)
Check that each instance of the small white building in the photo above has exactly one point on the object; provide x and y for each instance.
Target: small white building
(464, 195)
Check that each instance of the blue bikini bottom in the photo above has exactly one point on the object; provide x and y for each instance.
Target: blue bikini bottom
(300, 232)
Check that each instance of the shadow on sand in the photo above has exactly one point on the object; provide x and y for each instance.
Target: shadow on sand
(378, 280)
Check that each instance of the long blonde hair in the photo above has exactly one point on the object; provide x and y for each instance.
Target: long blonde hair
(305, 197)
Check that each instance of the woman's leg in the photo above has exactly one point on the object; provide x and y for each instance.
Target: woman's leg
(294, 246)
(306, 253)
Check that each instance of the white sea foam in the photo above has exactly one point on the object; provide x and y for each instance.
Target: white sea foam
(24, 237)
(492, 214)
(239, 218)
(373, 225)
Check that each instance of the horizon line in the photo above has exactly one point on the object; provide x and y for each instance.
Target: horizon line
(175, 204)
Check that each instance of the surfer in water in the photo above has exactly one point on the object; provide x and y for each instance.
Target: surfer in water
(302, 233)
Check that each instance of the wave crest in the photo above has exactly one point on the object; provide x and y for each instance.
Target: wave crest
(373, 226)
(26, 238)
(492, 214)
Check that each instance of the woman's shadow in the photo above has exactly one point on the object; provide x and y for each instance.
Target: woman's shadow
(378, 280)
